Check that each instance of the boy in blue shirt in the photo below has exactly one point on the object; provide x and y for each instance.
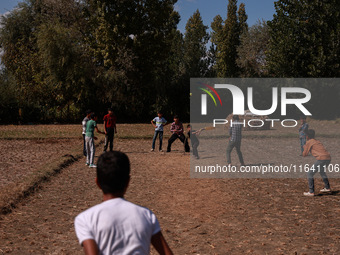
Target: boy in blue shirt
(158, 122)
(302, 133)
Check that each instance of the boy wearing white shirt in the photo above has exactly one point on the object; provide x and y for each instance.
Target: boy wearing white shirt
(117, 226)
(158, 123)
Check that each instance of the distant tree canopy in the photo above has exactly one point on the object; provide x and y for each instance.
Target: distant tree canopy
(305, 39)
(62, 57)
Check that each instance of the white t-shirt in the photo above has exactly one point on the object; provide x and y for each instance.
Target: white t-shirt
(159, 123)
(118, 227)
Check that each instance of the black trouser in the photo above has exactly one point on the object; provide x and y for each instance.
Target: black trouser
(237, 145)
(194, 145)
(110, 133)
(174, 138)
(84, 149)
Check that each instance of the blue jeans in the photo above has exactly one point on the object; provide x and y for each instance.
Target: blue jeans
(319, 166)
(160, 133)
(302, 143)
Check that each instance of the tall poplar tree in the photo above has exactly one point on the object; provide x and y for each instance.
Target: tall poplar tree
(305, 39)
(195, 51)
(226, 36)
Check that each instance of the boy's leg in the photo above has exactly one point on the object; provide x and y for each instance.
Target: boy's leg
(239, 153)
(88, 154)
(111, 137)
(310, 176)
(154, 139)
(324, 177)
(302, 143)
(230, 147)
(106, 142)
(160, 139)
(194, 149)
(92, 150)
(170, 141)
(84, 149)
(185, 142)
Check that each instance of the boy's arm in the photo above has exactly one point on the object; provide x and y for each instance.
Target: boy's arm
(172, 128)
(159, 243)
(100, 132)
(152, 121)
(90, 247)
(104, 127)
(306, 149)
(180, 130)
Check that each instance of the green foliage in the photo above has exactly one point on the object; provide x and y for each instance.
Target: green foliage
(195, 52)
(226, 37)
(63, 57)
(252, 51)
(305, 39)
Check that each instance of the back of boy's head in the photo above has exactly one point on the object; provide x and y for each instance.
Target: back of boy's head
(113, 172)
(303, 118)
(236, 117)
(93, 115)
(310, 133)
(88, 112)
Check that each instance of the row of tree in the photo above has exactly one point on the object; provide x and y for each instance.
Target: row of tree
(61, 57)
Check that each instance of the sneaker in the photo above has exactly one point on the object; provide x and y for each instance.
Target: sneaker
(87, 164)
(160, 150)
(308, 194)
(325, 190)
(152, 149)
(92, 166)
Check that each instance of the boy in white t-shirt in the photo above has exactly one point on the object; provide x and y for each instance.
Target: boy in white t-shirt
(158, 123)
(117, 226)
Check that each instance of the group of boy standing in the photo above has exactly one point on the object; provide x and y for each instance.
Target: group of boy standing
(117, 226)
(176, 129)
(89, 124)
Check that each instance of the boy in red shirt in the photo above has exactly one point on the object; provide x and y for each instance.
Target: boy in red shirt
(323, 157)
(110, 129)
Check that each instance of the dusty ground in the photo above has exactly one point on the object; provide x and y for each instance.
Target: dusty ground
(24, 157)
(198, 216)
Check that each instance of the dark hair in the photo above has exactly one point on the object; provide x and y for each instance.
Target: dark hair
(93, 115)
(113, 172)
(236, 117)
(188, 125)
(88, 112)
(160, 112)
(176, 117)
(303, 117)
(310, 133)
(110, 109)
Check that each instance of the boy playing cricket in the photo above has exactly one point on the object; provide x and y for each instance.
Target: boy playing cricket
(302, 132)
(85, 120)
(158, 122)
(117, 226)
(323, 158)
(235, 132)
(91, 125)
(177, 132)
(110, 128)
(194, 140)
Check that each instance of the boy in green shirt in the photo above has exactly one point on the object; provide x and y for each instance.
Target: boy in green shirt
(91, 125)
